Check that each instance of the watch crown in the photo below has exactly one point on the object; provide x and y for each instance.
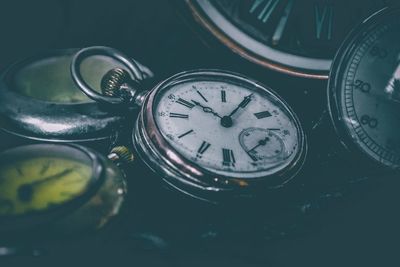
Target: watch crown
(113, 80)
(121, 154)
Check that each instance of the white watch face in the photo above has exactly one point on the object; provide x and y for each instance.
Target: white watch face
(230, 129)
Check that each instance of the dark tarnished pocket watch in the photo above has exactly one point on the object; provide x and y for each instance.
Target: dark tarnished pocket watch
(39, 101)
(68, 188)
(207, 133)
(298, 38)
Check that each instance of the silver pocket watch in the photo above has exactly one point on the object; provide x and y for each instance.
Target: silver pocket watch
(207, 133)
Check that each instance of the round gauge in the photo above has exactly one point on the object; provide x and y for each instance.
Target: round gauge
(264, 145)
(365, 89)
(213, 121)
(44, 183)
(295, 37)
(39, 100)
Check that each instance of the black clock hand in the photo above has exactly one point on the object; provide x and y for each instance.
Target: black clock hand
(226, 121)
(262, 142)
(206, 109)
(25, 191)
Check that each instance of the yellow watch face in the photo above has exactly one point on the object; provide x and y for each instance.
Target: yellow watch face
(37, 184)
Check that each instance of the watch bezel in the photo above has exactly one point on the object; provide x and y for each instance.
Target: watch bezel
(351, 42)
(160, 156)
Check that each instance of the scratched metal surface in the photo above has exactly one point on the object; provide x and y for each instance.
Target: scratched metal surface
(337, 227)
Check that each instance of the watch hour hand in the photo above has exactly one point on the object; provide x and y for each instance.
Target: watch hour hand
(26, 191)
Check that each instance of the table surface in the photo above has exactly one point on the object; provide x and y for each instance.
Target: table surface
(362, 230)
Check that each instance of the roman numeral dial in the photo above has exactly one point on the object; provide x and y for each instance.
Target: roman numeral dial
(191, 117)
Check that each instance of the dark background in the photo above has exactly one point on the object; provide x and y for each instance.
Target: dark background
(361, 229)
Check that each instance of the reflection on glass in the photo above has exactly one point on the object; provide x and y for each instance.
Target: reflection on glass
(50, 80)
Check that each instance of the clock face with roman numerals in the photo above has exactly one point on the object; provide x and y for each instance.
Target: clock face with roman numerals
(299, 37)
(229, 128)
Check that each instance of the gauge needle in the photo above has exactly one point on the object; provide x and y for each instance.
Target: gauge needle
(262, 142)
(206, 109)
(226, 121)
(25, 191)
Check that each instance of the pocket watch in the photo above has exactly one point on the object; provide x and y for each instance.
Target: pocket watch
(207, 133)
(364, 91)
(39, 101)
(66, 187)
(298, 38)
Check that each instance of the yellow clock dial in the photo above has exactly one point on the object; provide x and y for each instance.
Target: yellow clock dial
(37, 184)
